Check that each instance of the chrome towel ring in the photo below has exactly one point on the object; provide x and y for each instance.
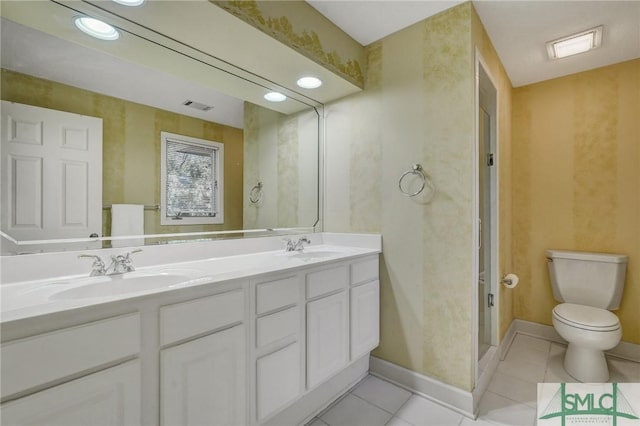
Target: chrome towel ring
(255, 194)
(416, 169)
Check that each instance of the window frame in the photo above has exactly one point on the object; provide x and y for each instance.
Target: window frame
(218, 177)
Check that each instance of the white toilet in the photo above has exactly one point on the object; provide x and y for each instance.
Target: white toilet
(588, 284)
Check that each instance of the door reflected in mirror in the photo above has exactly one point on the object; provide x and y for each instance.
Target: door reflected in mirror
(136, 102)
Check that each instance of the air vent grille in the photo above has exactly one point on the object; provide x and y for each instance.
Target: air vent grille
(197, 105)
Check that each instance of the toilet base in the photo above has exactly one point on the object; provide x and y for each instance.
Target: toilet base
(586, 365)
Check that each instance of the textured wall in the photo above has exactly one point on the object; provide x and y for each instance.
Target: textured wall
(417, 107)
(131, 146)
(576, 180)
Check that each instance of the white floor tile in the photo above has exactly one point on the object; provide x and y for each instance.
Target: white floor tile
(557, 348)
(421, 412)
(522, 341)
(623, 371)
(381, 393)
(523, 370)
(533, 356)
(353, 411)
(397, 421)
(497, 409)
(513, 388)
(477, 422)
(316, 422)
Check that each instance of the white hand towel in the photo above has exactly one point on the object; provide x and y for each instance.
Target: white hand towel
(127, 219)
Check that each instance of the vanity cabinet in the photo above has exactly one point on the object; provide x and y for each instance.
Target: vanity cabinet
(327, 323)
(203, 367)
(86, 380)
(364, 306)
(253, 351)
(109, 397)
(203, 381)
(278, 343)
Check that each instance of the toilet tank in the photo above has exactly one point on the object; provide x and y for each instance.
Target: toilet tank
(592, 279)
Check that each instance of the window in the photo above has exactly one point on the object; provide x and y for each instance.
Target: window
(191, 181)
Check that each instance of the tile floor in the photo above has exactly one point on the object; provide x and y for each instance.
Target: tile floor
(509, 400)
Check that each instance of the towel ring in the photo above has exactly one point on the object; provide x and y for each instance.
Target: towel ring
(255, 195)
(416, 169)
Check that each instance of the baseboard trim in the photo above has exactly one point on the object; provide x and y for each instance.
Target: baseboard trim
(625, 350)
(439, 392)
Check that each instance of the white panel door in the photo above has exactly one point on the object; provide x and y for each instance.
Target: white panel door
(327, 337)
(51, 172)
(365, 318)
(109, 397)
(203, 381)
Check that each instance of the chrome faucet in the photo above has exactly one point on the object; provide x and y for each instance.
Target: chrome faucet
(297, 245)
(120, 264)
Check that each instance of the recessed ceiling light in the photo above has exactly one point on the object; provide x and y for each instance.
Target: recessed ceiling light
(309, 82)
(96, 28)
(575, 43)
(275, 97)
(130, 2)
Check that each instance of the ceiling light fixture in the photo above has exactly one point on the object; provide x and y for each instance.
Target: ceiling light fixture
(275, 97)
(309, 82)
(129, 2)
(96, 28)
(574, 44)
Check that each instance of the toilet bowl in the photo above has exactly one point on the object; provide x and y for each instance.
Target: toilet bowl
(588, 286)
(589, 331)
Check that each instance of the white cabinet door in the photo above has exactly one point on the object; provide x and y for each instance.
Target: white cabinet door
(277, 379)
(109, 397)
(327, 337)
(365, 318)
(203, 381)
(51, 173)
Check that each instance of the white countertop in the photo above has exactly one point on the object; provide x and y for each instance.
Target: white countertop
(26, 299)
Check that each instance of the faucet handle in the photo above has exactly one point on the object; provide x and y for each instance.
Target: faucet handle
(123, 261)
(128, 255)
(290, 244)
(98, 266)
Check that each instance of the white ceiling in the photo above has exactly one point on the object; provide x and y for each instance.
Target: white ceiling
(518, 29)
(368, 21)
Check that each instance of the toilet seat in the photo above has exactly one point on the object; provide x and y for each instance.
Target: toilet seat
(586, 317)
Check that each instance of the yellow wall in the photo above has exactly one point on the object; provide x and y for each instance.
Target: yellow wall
(576, 181)
(131, 146)
(417, 107)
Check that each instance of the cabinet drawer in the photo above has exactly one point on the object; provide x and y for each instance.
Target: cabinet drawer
(364, 270)
(183, 320)
(276, 294)
(52, 356)
(327, 280)
(274, 327)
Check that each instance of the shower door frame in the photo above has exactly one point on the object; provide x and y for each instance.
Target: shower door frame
(492, 276)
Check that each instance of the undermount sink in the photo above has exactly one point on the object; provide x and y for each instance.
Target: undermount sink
(115, 285)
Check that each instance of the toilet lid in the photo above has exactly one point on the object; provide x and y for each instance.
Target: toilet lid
(586, 317)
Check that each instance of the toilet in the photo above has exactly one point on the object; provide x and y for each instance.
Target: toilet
(588, 285)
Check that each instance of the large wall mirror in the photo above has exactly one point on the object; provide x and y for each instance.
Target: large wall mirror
(82, 126)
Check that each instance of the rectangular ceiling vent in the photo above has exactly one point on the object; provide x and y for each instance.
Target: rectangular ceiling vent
(197, 105)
